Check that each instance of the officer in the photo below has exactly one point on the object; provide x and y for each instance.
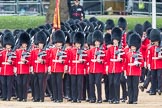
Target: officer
(77, 11)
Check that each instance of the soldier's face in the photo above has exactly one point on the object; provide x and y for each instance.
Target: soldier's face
(77, 45)
(115, 42)
(156, 43)
(109, 31)
(59, 45)
(97, 43)
(76, 2)
(8, 46)
(24, 45)
(133, 48)
(40, 45)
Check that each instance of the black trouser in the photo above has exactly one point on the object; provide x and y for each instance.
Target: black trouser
(32, 77)
(123, 82)
(67, 86)
(7, 82)
(86, 87)
(133, 82)
(0, 87)
(39, 86)
(22, 84)
(95, 78)
(156, 80)
(106, 84)
(76, 87)
(144, 73)
(48, 86)
(56, 80)
(114, 86)
(148, 79)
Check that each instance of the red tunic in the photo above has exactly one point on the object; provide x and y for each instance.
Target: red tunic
(6, 68)
(115, 65)
(39, 67)
(77, 68)
(132, 70)
(154, 61)
(56, 66)
(96, 67)
(22, 68)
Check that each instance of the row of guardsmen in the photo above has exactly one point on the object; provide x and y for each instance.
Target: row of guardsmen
(70, 62)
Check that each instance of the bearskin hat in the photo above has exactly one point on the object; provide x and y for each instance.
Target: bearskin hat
(58, 36)
(107, 39)
(24, 38)
(101, 26)
(89, 39)
(93, 19)
(90, 27)
(63, 28)
(79, 38)
(83, 25)
(139, 29)
(109, 24)
(7, 31)
(32, 32)
(72, 37)
(28, 30)
(48, 26)
(67, 37)
(146, 25)
(134, 40)
(97, 36)
(40, 37)
(70, 21)
(122, 23)
(148, 32)
(116, 34)
(95, 25)
(8, 39)
(128, 35)
(155, 35)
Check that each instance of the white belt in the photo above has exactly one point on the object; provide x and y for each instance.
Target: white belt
(57, 61)
(5, 63)
(21, 62)
(75, 61)
(115, 60)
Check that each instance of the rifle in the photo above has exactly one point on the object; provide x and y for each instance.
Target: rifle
(12, 54)
(159, 51)
(26, 54)
(136, 57)
(119, 52)
(81, 54)
(43, 52)
(99, 54)
(61, 54)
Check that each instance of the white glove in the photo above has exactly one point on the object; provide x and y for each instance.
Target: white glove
(15, 71)
(49, 69)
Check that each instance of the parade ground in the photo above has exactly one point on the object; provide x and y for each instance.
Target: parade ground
(145, 101)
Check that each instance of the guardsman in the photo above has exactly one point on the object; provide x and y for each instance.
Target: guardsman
(23, 66)
(155, 62)
(67, 80)
(39, 61)
(108, 43)
(57, 62)
(7, 63)
(133, 66)
(77, 61)
(96, 64)
(114, 58)
(77, 11)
